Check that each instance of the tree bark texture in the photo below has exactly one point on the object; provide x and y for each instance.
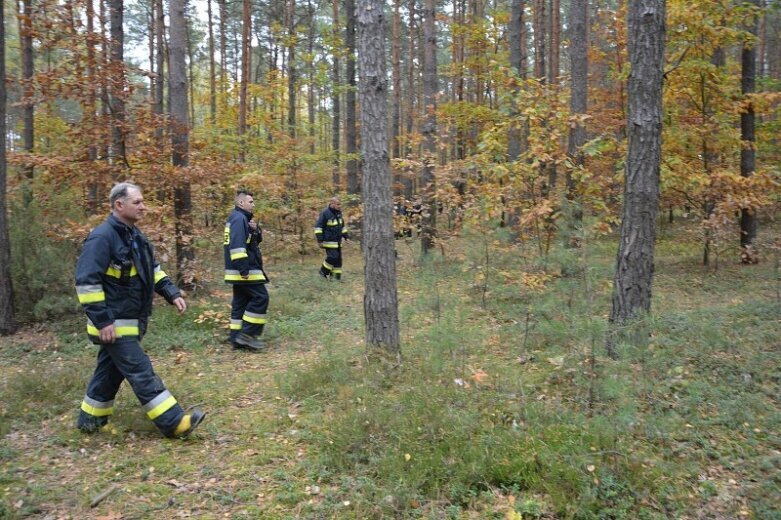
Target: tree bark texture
(180, 135)
(516, 137)
(119, 82)
(396, 75)
(350, 127)
(635, 260)
(555, 42)
(246, 66)
(429, 128)
(380, 302)
(28, 103)
(212, 68)
(336, 107)
(7, 320)
(748, 219)
(291, 69)
(578, 51)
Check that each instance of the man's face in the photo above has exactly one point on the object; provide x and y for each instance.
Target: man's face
(336, 204)
(130, 209)
(247, 203)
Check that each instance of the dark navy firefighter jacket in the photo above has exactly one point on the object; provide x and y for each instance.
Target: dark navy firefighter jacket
(116, 278)
(242, 250)
(330, 228)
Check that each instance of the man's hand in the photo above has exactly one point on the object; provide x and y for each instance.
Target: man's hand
(180, 304)
(107, 334)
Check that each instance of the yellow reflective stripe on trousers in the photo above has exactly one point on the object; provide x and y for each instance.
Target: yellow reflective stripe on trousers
(331, 245)
(121, 328)
(235, 324)
(97, 408)
(318, 231)
(253, 317)
(255, 275)
(328, 266)
(159, 274)
(90, 293)
(159, 405)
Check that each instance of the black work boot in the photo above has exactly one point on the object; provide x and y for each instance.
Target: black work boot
(188, 423)
(89, 423)
(247, 342)
(324, 274)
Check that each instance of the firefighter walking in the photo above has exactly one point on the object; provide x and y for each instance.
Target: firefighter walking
(244, 270)
(116, 278)
(329, 231)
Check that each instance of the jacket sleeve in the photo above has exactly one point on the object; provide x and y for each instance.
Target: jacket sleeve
(164, 286)
(319, 227)
(237, 246)
(92, 264)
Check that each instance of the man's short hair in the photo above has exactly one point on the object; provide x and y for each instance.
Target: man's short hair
(120, 191)
(242, 193)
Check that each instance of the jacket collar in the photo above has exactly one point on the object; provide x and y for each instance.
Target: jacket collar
(243, 212)
(120, 226)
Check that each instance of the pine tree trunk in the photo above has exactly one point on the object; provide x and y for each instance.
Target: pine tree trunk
(555, 42)
(540, 39)
(180, 135)
(161, 61)
(748, 219)
(429, 129)
(7, 318)
(350, 127)
(396, 75)
(635, 260)
(517, 137)
(578, 51)
(291, 69)
(212, 68)
(223, 52)
(310, 105)
(336, 107)
(28, 103)
(380, 302)
(90, 106)
(119, 86)
(246, 66)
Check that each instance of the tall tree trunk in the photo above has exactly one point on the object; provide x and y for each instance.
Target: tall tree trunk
(311, 75)
(380, 302)
(409, 185)
(540, 39)
(555, 42)
(396, 75)
(90, 106)
(7, 318)
(350, 127)
(429, 130)
(517, 136)
(223, 52)
(180, 136)
(459, 44)
(212, 68)
(190, 70)
(246, 66)
(291, 69)
(161, 61)
(710, 156)
(28, 102)
(635, 260)
(119, 86)
(335, 102)
(578, 103)
(748, 218)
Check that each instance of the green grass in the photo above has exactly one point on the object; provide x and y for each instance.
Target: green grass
(505, 399)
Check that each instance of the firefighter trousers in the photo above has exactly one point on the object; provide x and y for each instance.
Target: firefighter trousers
(126, 360)
(248, 310)
(332, 265)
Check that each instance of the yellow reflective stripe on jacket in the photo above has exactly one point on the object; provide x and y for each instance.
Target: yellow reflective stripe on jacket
(252, 317)
(159, 274)
(90, 293)
(334, 222)
(318, 231)
(255, 275)
(116, 271)
(159, 405)
(97, 408)
(330, 245)
(239, 252)
(121, 328)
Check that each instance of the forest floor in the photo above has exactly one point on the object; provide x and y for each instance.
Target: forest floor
(505, 406)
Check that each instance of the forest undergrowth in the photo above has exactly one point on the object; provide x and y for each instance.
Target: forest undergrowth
(505, 404)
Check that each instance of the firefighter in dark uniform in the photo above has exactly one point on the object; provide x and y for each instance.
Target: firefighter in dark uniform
(329, 231)
(244, 270)
(116, 278)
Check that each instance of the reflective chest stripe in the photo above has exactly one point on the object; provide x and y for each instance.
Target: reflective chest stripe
(115, 271)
